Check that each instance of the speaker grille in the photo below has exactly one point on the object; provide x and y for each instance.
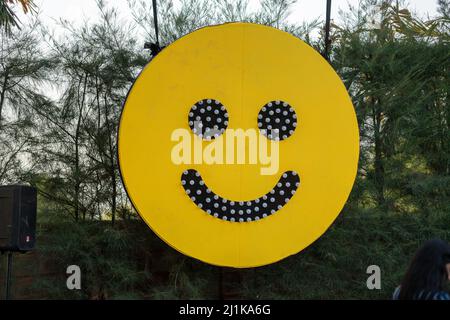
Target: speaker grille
(27, 223)
(6, 216)
(17, 218)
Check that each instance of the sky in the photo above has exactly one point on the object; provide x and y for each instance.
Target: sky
(78, 11)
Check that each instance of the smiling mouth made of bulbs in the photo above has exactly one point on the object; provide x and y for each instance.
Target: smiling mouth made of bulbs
(239, 211)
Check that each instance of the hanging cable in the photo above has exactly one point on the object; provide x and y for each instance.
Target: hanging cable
(155, 21)
(155, 48)
(326, 52)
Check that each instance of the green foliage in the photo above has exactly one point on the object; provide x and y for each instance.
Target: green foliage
(8, 17)
(398, 79)
(105, 256)
(129, 262)
(60, 103)
(335, 266)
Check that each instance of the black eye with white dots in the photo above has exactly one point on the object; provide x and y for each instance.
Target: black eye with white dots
(208, 119)
(277, 120)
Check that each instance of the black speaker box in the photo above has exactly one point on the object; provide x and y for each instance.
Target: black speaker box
(17, 218)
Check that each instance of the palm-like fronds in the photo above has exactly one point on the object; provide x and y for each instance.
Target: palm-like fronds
(403, 22)
(8, 18)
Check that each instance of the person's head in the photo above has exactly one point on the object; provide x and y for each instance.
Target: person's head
(429, 270)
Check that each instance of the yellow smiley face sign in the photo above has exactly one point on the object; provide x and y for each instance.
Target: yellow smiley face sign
(238, 145)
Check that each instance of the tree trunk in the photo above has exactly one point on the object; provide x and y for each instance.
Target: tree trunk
(2, 97)
(112, 168)
(113, 195)
(378, 160)
(77, 178)
(77, 154)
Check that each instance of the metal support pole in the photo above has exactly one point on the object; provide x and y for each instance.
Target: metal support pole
(155, 20)
(155, 48)
(9, 260)
(326, 52)
(221, 294)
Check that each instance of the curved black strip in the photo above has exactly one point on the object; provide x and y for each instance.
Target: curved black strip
(239, 211)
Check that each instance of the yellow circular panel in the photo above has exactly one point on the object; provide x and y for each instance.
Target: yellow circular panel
(244, 66)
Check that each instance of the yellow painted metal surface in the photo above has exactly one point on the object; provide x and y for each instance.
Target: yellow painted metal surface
(244, 66)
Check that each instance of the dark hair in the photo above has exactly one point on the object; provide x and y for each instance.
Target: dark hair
(427, 271)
